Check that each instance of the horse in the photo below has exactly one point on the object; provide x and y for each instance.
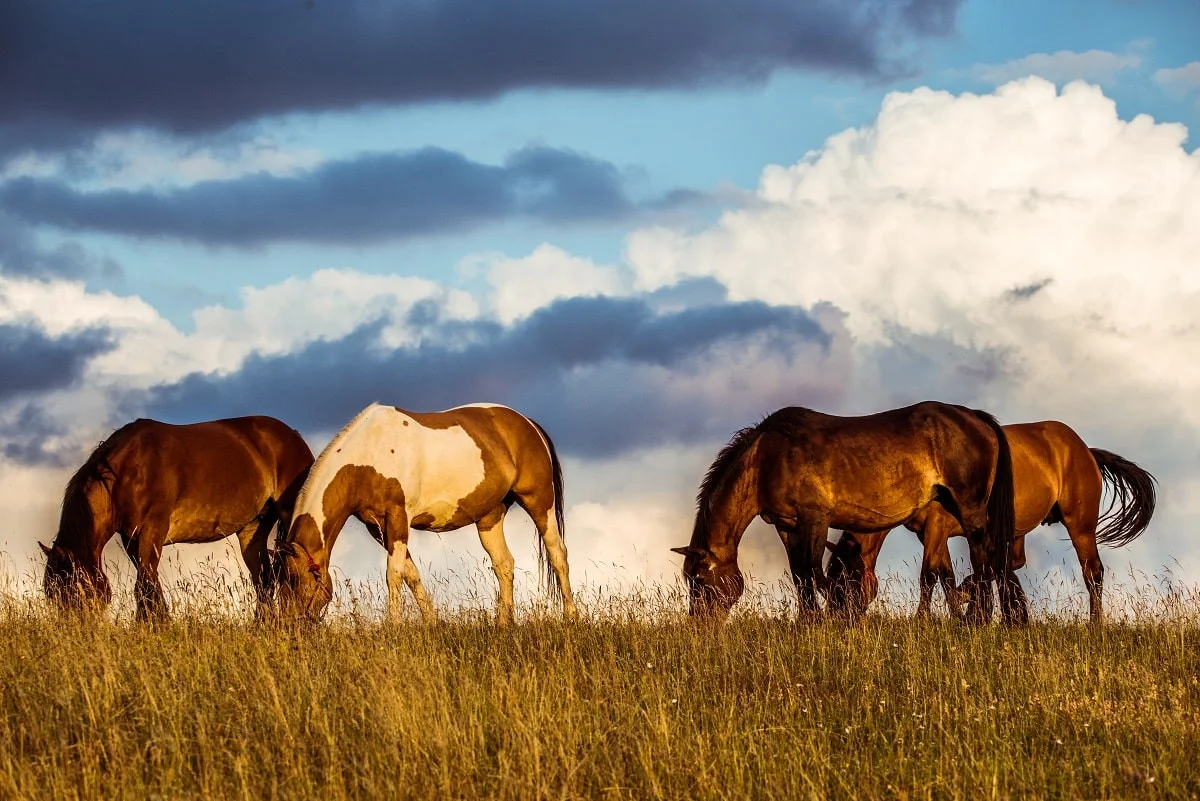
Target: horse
(1058, 479)
(396, 470)
(156, 484)
(803, 472)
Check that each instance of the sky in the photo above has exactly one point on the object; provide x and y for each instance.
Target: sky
(644, 223)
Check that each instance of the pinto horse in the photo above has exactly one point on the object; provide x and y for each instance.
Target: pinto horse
(397, 470)
(1057, 479)
(156, 484)
(804, 472)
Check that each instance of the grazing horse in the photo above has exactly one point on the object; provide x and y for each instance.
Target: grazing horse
(1057, 479)
(804, 472)
(397, 470)
(156, 484)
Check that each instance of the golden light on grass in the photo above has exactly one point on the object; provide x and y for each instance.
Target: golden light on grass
(632, 702)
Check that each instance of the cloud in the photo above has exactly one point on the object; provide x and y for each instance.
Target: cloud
(367, 199)
(191, 69)
(1180, 79)
(604, 375)
(22, 255)
(1026, 251)
(521, 286)
(1097, 66)
(1030, 235)
(32, 362)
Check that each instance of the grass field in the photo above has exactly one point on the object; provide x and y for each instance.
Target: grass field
(618, 706)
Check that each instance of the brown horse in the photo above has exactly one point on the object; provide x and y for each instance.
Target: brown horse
(396, 470)
(156, 484)
(1057, 479)
(804, 472)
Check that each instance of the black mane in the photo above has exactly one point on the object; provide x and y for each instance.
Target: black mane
(789, 421)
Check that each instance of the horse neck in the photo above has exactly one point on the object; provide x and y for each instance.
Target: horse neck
(320, 515)
(731, 507)
(86, 523)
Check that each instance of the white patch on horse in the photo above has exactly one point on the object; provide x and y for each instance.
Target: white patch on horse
(437, 467)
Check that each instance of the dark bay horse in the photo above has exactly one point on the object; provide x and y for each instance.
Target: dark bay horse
(156, 484)
(397, 470)
(1057, 479)
(805, 472)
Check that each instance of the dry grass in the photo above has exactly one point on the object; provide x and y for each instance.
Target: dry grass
(625, 705)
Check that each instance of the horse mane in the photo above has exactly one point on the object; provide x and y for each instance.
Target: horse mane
(790, 421)
(78, 521)
(334, 444)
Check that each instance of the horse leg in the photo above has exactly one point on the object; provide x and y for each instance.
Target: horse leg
(979, 583)
(937, 566)
(253, 541)
(412, 577)
(144, 548)
(851, 580)
(491, 534)
(556, 549)
(394, 533)
(805, 544)
(1081, 527)
(1015, 611)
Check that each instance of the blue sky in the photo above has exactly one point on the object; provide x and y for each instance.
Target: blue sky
(201, 201)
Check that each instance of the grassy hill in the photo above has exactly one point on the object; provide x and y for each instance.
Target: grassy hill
(616, 707)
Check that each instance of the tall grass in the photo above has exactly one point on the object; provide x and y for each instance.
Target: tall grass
(633, 702)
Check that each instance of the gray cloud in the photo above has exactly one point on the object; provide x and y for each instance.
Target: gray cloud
(21, 255)
(370, 198)
(603, 375)
(32, 362)
(67, 69)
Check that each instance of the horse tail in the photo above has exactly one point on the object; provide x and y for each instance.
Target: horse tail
(559, 516)
(1001, 511)
(1133, 499)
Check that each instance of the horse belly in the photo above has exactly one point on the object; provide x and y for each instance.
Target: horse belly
(199, 522)
(452, 487)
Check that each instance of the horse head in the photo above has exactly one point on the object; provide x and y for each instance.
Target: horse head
(73, 583)
(305, 587)
(714, 585)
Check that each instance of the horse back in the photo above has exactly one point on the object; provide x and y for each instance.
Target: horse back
(1053, 467)
(875, 471)
(447, 469)
(206, 471)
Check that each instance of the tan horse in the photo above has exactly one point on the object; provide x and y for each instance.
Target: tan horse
(805, 472)
(396, 470)
(1057, 479)
(157, 484)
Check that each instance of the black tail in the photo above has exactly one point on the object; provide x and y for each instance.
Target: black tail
(1133, 499)
(543, 561)
(1002, 518)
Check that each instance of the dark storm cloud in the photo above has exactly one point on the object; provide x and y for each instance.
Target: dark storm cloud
(29, 438)
(69, 68)
(597, 372)
(21, 255)
(32, 362)
(370, 198)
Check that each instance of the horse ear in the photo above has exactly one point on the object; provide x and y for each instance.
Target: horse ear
(684, 551)
(46, 549)
(285, 547)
